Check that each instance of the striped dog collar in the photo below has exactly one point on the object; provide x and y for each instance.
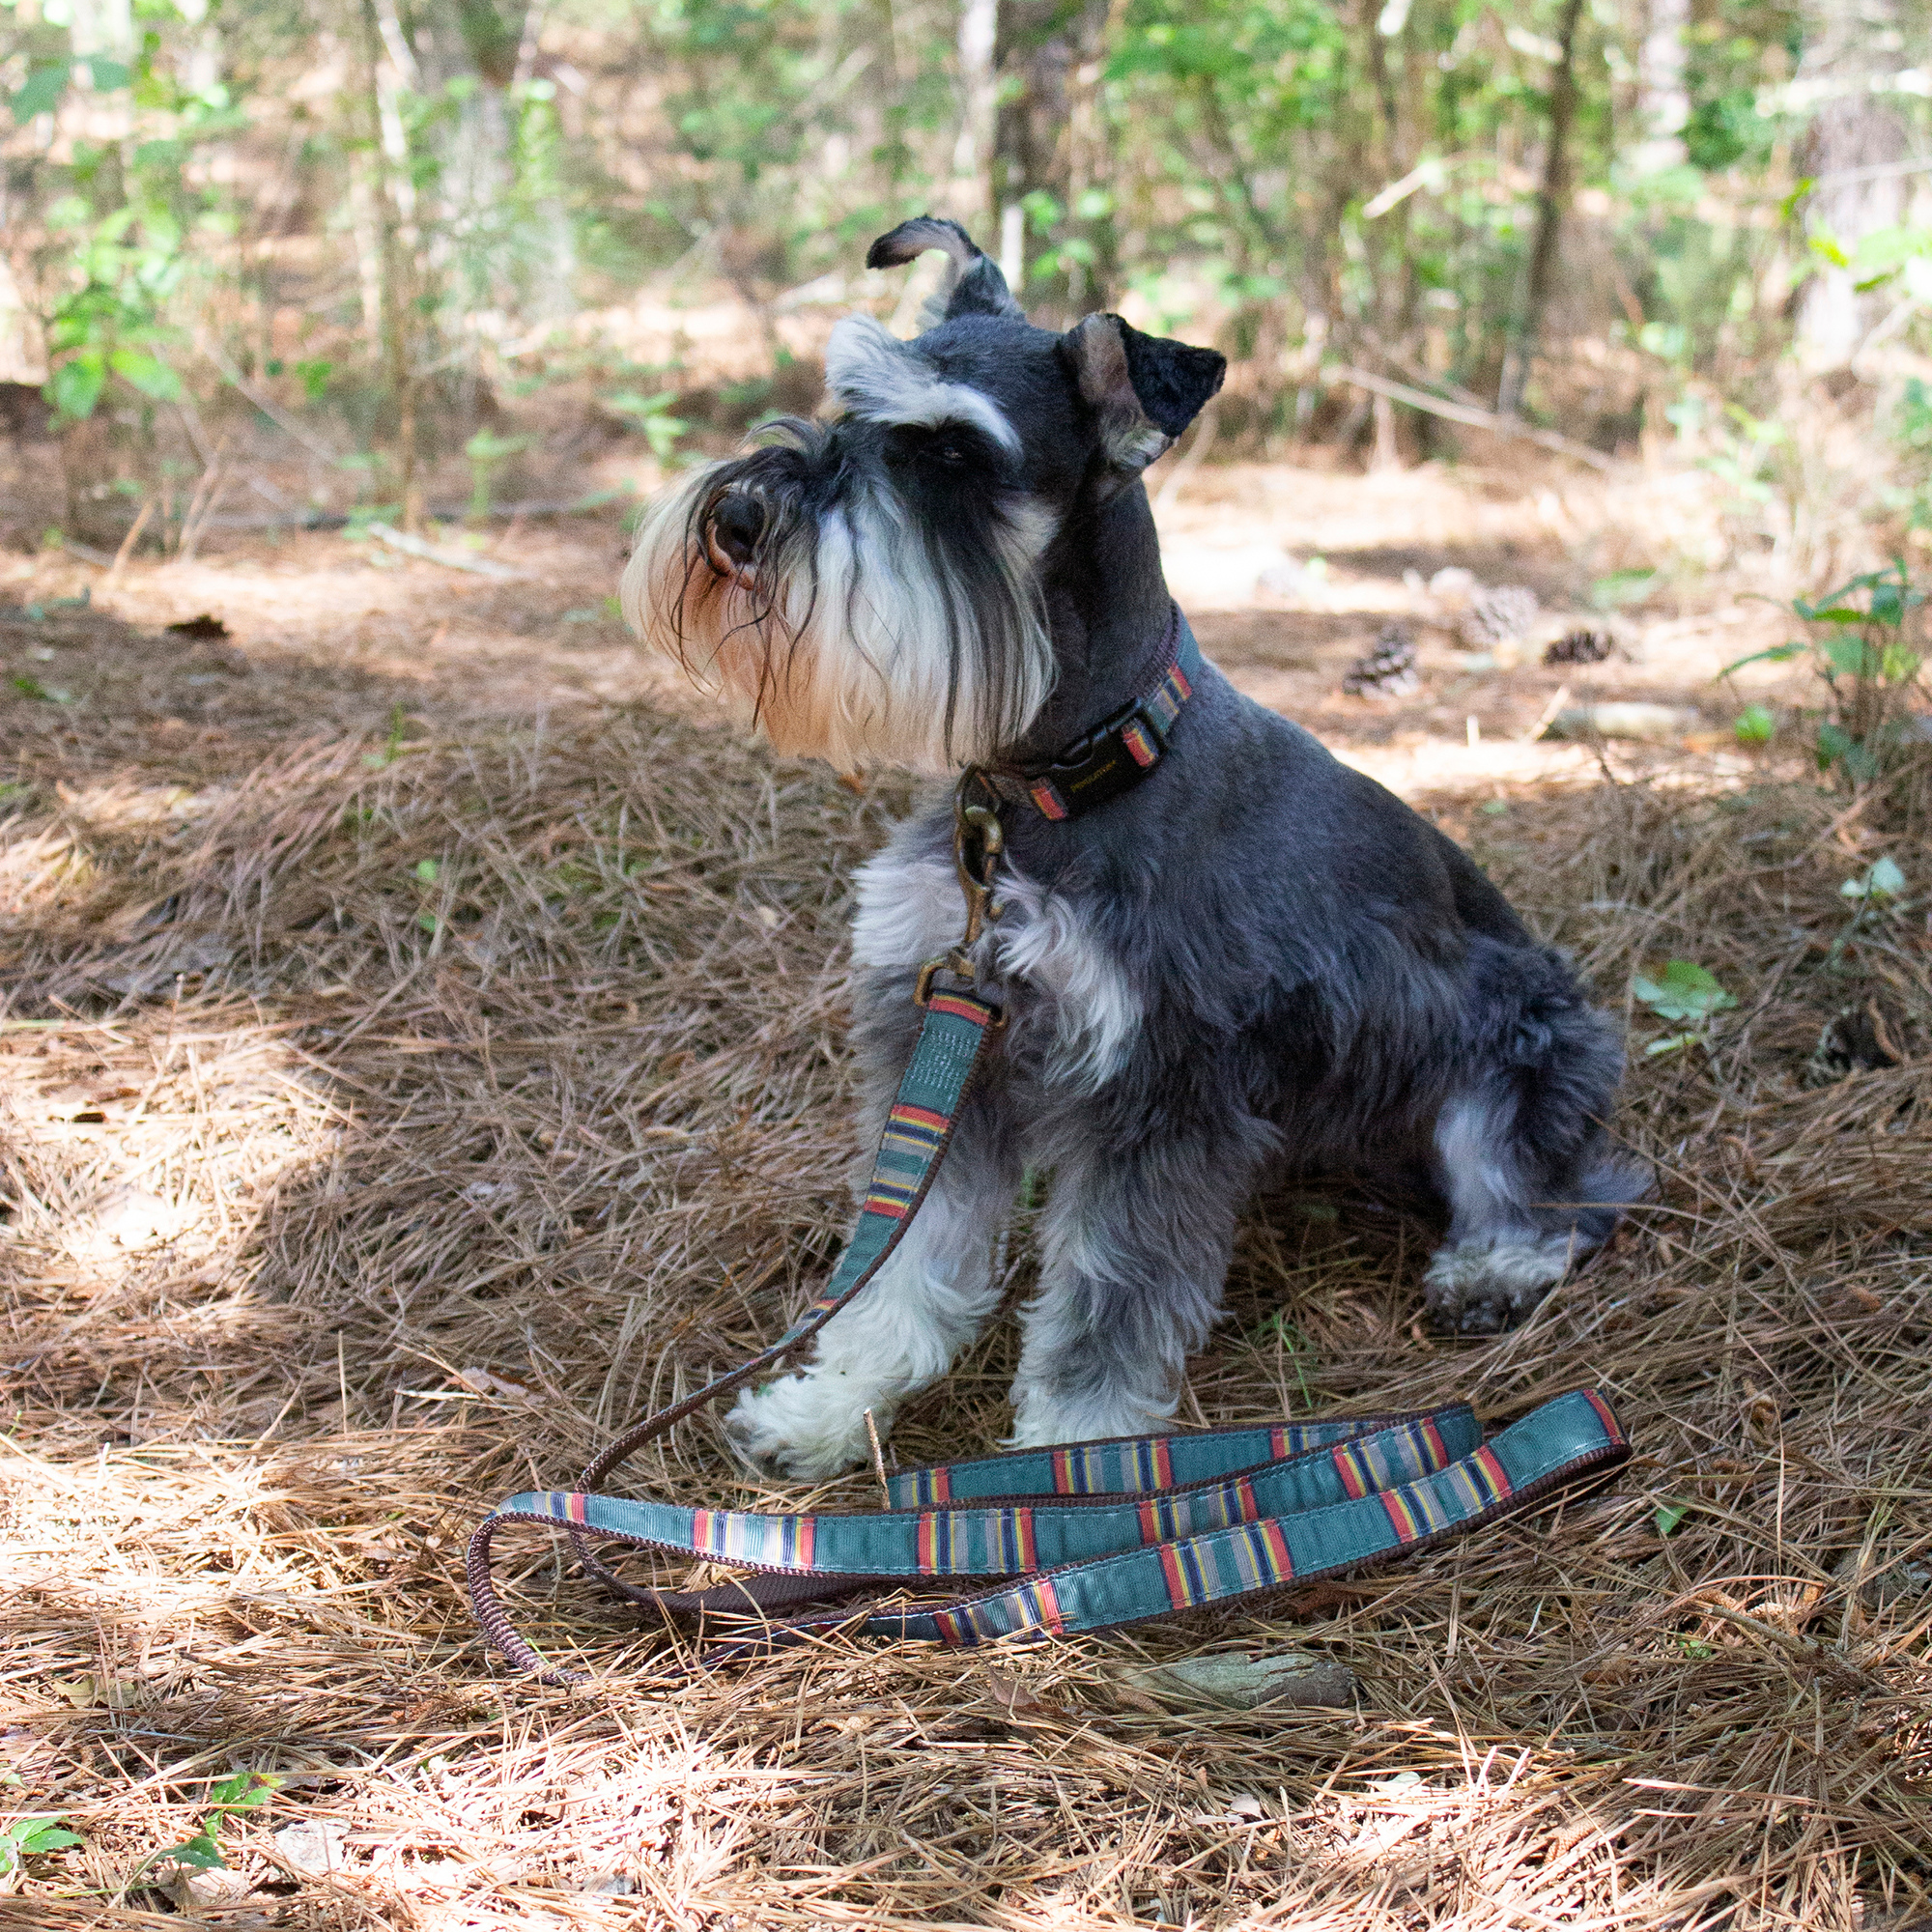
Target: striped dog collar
(1118, 753)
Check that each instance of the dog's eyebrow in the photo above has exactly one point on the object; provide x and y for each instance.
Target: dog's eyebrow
(876, 376)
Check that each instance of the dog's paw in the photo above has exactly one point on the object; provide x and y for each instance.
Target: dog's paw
(1480, 1289)
(806, 1427)
(1043, 1419)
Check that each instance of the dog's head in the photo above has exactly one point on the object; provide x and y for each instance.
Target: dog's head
(868, 585)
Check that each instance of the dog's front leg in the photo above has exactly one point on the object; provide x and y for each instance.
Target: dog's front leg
(1134, 1260)
(905, 1328)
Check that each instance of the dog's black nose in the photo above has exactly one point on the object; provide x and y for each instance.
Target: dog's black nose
(737, 523)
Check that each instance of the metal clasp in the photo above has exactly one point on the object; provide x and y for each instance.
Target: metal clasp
(977, 840)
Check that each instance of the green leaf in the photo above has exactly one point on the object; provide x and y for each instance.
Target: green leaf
(49, 1835)
(1778, 654)
(1882, 881)
(1755, 726)
(146, 373)
(201, 1852)
(428, 871)
(1621, 587)
(109, 74)
(242, 1792)
(1848, 657)
(75, 386)
(1684, 991)
(1669, 1516)
(41, 91)
(628, 402)
(1670, 1042)
(1835, 742)
(486, 446)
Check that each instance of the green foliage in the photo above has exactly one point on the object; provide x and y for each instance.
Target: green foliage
(1755, 726)
(27, 1837)
(245, 1791)
(652, 415)
(1684, 995)
(1882, 882)
(1862, 646)
(485, 450)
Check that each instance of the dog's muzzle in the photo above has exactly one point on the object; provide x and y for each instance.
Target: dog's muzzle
(731, 531)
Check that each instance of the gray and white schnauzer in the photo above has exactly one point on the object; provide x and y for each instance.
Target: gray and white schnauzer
(1228, 951)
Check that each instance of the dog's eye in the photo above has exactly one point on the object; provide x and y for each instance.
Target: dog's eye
(951, 451)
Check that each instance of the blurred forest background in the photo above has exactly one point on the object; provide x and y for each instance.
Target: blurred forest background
(458, 253)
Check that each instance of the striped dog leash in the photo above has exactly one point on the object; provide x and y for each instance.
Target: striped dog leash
(1123, 1530)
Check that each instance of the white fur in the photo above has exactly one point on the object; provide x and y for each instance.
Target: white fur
(1495, 1251)
(1514, 1272)
(1043, 940)
(858, 668)
(902, 1333)
(906, 912)
(911, 911)
(1044, 1415)
(877, 376)
(1481, 1190)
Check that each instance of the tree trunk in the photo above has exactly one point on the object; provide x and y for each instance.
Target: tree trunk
(1662, 102)
(1852, 143)
(979, 115)
(381, 126)
(1550, 201)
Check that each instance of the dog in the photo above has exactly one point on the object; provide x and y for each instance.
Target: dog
(1229, 954)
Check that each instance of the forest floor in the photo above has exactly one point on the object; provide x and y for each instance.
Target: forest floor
(423, 1052)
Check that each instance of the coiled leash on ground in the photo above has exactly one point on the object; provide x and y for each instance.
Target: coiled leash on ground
(1137, 1527)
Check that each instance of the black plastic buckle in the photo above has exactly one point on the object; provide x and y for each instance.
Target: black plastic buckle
(1098, 766)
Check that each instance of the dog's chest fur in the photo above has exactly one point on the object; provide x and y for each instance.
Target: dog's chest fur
(1051, 966)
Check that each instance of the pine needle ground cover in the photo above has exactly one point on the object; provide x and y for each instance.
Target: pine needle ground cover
(390, 1116)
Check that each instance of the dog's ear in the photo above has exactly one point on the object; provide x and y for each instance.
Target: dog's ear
(973, 284)
(1145, 388)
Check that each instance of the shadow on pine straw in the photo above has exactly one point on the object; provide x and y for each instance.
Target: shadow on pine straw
(488, 1093)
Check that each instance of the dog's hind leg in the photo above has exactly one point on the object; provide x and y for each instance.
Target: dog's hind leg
(1520, 1218)
(1134, 1257)
(906, 1326)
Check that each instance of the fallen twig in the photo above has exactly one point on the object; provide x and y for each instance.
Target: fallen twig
(450, 560)
(1473, 418)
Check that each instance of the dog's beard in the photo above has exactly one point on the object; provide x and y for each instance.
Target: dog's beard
(856, 632)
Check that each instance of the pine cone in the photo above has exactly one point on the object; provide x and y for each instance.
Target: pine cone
(1579, 647)
(1501, 616)
(1389, 670)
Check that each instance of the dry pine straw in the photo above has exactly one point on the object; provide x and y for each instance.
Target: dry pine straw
(386, 1125)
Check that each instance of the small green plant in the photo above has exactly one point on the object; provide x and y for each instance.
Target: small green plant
(488, 452)
(1881, 883)
(1756, 725)
(394, 748)
(1622, 587)
(245, 1791)
(1667, 1516)
(651, 415)
(1860, 644)
(1684, 995)
(1873, 894)
(1276, 1328)
(26, 1838)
